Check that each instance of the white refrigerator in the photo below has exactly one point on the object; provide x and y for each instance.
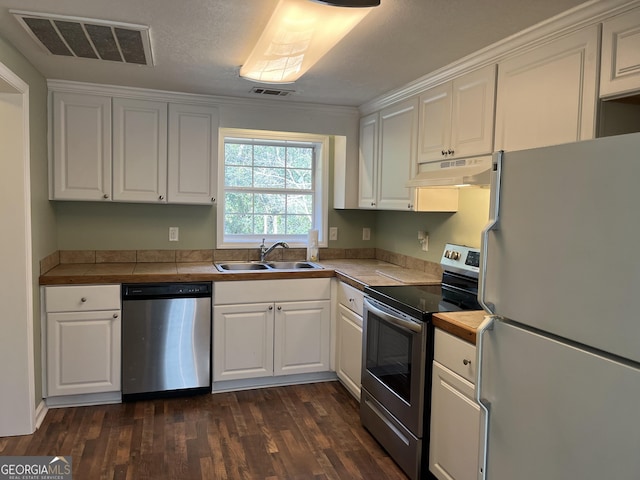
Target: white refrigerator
(559, 352)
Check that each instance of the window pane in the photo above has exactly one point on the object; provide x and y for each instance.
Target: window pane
(300, 179)
(298, 157)
(235, 202)
(238, 154)
(298, 224)
(270, 203)
(238, 224)
(299, 204)
(238, 176)
(269, 224)
(268, 156)
(269, 177)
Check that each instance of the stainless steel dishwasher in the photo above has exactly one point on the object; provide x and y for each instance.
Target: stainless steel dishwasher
(166, 339)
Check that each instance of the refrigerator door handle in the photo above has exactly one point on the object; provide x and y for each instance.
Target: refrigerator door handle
(494, 219)
(487, 324)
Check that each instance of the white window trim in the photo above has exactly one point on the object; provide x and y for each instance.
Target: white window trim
(321, 175)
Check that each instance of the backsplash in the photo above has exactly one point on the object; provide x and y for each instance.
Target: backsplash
(226, 255)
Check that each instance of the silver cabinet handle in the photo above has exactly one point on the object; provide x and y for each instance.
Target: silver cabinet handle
(83, 299)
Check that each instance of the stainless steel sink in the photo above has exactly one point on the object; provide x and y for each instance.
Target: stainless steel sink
(265, 266)
(291, 265)
(242, 266)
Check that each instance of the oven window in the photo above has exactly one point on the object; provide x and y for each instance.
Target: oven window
(389, 355)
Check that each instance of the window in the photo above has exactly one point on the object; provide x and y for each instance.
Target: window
(272, 185)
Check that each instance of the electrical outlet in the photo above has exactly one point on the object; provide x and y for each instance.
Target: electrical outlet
(366, 233)
(173, 234)
(333, 233)
(425, 243)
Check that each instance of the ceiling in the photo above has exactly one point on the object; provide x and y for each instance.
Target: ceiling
(199, 45)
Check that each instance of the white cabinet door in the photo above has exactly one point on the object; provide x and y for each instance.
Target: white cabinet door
(349, 349)
(472, 114)
(139, 151)
(398, 144)
(457, 118)
(81, 131)
(548, 95)
(193, 149)
(302, 337)
(83, 352)
(620, 70)
(455, 427)
(368, 161)
(434, 138)
(242, 341)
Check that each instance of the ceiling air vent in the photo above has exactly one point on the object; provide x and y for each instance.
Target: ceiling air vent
(273, 92)
(88, 38)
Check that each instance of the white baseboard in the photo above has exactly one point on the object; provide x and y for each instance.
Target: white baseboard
(41, 412)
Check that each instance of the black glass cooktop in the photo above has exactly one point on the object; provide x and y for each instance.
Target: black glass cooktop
(419, 301)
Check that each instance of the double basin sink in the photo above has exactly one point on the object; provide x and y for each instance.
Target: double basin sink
(238, 267)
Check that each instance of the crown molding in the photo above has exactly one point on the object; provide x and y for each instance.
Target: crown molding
(587, 14)
(68, 86)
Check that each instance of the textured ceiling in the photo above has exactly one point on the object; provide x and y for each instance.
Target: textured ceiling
(199, 45)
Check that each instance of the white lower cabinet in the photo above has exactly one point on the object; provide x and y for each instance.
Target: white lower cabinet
(455, 416)
(349, 337)
(83, 325)
(288, 335)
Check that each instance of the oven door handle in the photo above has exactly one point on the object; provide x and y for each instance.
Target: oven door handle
(398, 321)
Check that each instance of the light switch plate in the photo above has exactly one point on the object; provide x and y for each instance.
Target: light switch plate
(333, 233)
(173, 234)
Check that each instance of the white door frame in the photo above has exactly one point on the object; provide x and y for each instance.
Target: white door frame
(17, 371)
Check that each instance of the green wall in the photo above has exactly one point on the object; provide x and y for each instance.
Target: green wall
(398, 231)
(42, 216)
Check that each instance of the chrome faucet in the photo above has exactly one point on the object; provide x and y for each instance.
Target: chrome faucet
(264, 251)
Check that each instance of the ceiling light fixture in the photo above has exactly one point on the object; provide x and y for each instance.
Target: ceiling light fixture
(298, 34)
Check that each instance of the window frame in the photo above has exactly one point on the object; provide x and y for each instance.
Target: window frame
(320, 179)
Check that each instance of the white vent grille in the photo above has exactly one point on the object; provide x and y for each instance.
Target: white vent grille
(88, 38)
(272, 92)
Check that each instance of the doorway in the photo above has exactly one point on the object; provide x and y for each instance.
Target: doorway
(17, 374)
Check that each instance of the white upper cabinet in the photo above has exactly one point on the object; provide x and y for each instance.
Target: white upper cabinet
(193, 149)
(548, 95)
(132, 149)
(368, 161)
(457, 117)
(139, 151)
(81, 132)
(620, 70)
(398, 140)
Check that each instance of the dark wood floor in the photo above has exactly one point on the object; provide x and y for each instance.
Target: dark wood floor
(298, 432)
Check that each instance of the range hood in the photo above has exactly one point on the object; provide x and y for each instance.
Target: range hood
(451, 173)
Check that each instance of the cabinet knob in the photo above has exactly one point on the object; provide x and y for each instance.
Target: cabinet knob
(213, 199)
(409, 206)
(105, 196)
(83, 299)
(466, 362)
(115, 315)
(450, 152)
(373, 204)
(161, 197)
(279, 308)
(270, 307)
(444, 153)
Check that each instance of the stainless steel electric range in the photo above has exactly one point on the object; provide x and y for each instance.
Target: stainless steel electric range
(395, 401)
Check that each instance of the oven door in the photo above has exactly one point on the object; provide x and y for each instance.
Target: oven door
(394, 362)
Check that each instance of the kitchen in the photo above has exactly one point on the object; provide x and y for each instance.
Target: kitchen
(75, 225)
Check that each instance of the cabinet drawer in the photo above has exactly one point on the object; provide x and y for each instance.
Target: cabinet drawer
(455, 354)
(79, 298)
(351, 297)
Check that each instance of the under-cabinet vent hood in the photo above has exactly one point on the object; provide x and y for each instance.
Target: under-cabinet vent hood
(456, 172)
(88, 38)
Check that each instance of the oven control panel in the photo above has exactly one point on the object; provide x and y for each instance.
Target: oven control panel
(461, 259)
